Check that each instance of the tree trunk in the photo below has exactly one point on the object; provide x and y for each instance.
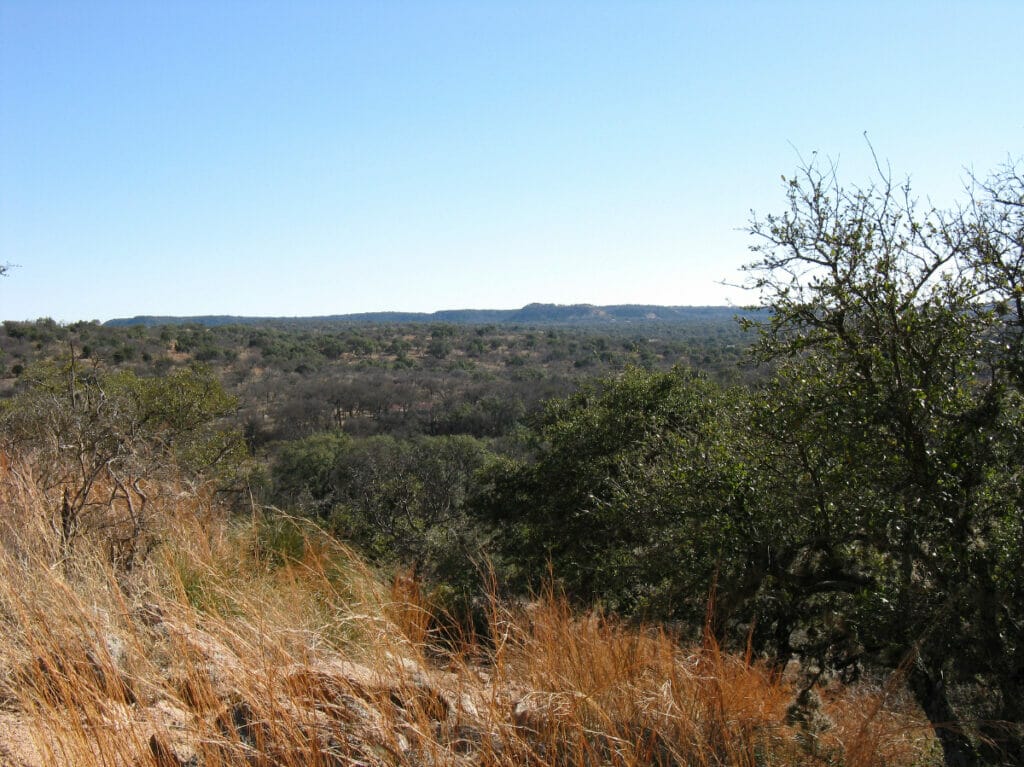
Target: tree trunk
(929, 690)
(1005, 735)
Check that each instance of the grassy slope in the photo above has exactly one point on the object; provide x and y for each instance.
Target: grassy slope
(263, 642)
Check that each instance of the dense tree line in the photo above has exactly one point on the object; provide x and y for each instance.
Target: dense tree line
(366, 379)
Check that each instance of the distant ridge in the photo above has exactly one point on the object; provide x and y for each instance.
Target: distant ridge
(537, 314)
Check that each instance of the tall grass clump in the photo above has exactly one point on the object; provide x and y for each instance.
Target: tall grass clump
(260, 640)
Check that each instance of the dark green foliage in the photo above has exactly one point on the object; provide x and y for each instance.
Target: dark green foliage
(303, 472)
(403, 502)
(632, 492)
(439, 347)
(896, 427)
(489, 416)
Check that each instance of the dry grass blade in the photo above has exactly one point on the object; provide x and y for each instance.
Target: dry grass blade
(264, 642)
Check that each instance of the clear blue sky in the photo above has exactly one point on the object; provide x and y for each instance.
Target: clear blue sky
(298, 158)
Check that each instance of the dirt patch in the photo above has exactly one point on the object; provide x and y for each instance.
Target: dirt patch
(17, 748)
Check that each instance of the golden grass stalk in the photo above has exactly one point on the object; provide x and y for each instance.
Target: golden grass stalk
(262, 641)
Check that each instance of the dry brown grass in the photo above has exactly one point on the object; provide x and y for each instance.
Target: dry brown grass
(243, 642)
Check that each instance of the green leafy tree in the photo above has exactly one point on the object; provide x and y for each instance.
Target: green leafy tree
(863, 508)
(303, 471)
(100, 440)
(404, 501)
(634, 493)
(993, 224)
(898, 430)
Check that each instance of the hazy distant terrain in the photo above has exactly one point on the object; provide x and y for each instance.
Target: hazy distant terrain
(547, 314)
